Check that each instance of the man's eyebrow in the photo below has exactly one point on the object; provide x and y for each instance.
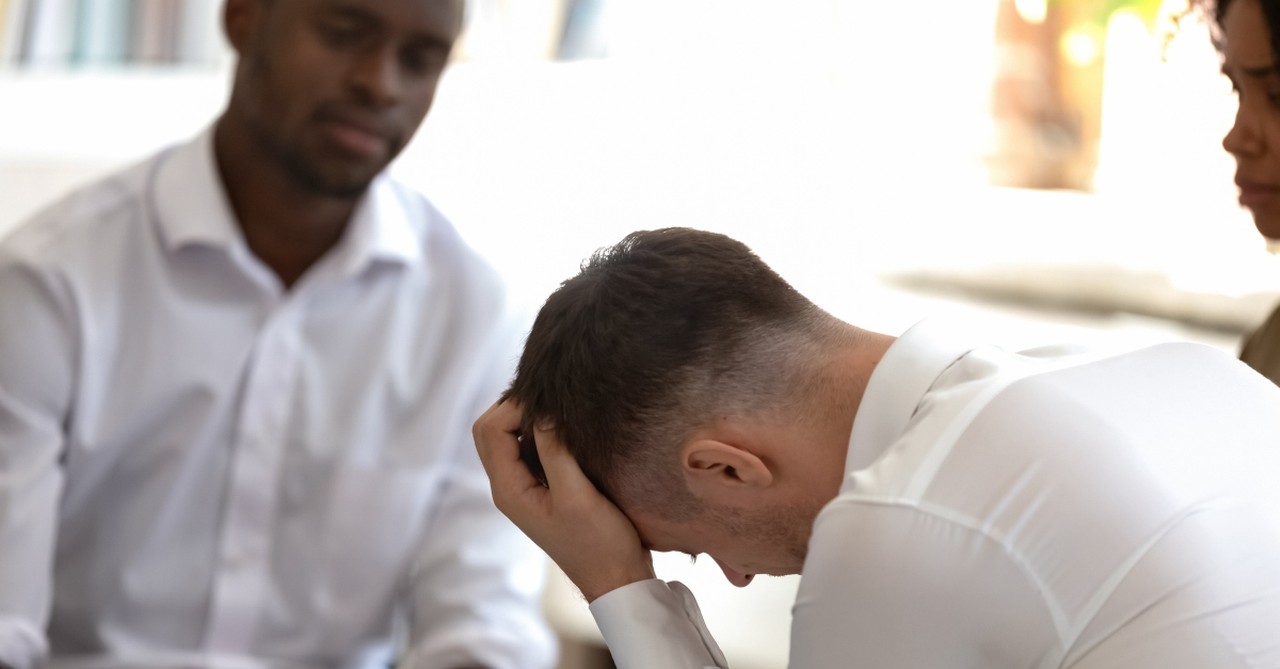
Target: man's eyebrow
(351, 13)
(347, 12)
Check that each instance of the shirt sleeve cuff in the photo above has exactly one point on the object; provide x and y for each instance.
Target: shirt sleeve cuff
(22, 646)
(656, 625)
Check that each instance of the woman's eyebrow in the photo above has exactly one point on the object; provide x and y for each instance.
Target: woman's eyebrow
(1255, 72)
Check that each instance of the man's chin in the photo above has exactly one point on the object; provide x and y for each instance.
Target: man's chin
(328, 176)
(336, 186)
(779, 573)
(347, 190)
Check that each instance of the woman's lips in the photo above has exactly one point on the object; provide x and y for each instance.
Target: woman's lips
(1254, 194)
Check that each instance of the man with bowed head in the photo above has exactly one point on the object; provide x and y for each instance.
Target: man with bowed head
(237, 379)
(948, 503)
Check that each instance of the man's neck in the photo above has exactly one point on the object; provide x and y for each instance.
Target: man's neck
(852, 368)
(286, 227)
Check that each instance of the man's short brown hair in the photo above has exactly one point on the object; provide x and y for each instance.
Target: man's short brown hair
(654, 337)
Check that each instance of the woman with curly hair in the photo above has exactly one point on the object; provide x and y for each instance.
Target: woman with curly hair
(1247, 34)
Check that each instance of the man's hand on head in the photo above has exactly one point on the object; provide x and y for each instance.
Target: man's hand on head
(591, 540)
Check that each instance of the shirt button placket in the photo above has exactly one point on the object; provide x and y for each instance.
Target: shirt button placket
(252, 490)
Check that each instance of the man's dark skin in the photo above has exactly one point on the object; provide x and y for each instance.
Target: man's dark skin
(326, 93)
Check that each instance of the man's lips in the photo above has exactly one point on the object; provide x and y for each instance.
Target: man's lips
(357, 135)
(1256, 193)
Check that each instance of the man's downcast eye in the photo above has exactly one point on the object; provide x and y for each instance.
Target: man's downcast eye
(420, 60)
(344, 29)
(339, 36)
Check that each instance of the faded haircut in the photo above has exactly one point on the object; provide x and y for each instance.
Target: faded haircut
(657, 335)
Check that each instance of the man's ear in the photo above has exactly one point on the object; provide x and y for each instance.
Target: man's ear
(714, 467)
(238, 17)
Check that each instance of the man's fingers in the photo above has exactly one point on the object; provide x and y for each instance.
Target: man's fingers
(499, 449)
(501, 417)
(560, 466)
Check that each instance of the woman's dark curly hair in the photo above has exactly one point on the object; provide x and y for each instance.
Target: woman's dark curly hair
(1216, 10)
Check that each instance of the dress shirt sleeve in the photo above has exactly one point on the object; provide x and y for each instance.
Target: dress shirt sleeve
(897, 586)
(476, 586)
(656, 625)
(36, 362)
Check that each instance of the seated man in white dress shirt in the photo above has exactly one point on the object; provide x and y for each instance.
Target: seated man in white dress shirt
(237, 382)
(949, 504)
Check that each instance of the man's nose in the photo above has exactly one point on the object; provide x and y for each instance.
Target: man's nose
(737, 578)
(376, 74)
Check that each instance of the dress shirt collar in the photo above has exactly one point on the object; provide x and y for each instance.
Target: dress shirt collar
(381, 229)
(905, 373)
(192, 208)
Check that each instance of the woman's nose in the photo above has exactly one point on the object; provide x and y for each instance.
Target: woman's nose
(1242, 138)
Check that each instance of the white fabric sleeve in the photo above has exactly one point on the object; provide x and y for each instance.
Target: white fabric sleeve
(22, 646)
(36, 363)
(656, 625)
(475, 591)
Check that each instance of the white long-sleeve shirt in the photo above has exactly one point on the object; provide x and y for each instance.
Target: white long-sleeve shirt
(1043, 509)
(199, 468)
